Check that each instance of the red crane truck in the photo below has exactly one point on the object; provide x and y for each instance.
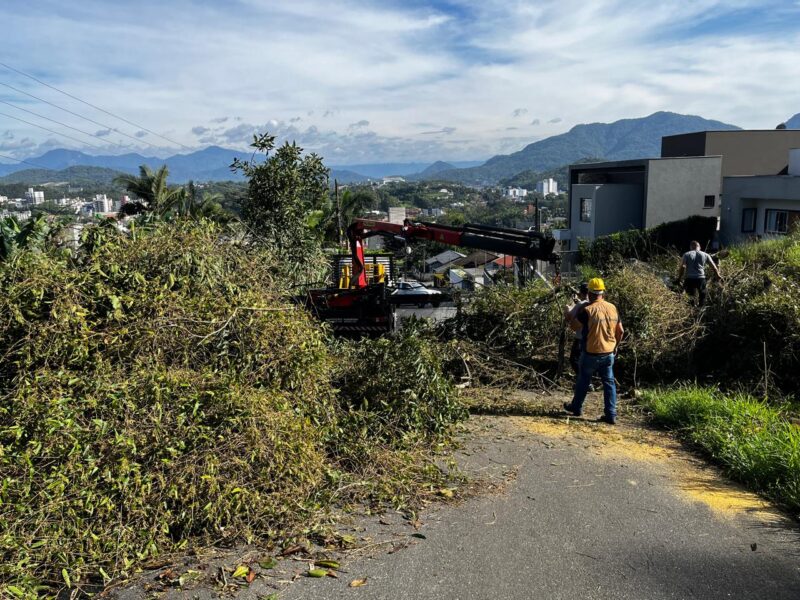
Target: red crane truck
(364, 306)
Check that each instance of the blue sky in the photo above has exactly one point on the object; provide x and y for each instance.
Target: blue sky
(392, 80)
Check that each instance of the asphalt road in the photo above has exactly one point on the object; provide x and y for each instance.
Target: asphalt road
(584, 511)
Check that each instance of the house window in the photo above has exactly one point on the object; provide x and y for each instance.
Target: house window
(748, 220)
(709, 201)
(586, 210)
(776, 221)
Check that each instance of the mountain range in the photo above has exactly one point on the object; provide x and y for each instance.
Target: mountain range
(624, 139)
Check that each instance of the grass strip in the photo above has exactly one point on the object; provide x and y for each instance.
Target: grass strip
(752, 440)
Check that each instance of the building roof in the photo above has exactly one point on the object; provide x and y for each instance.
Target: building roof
(637, 162)
(444, 257)
(476, 259)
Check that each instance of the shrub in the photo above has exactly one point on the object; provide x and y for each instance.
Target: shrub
(396, 384)
(159, 389)
(661, 329)
(648, 244)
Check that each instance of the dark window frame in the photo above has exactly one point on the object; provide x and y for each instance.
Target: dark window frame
(710, 201)
(585, 216)
(745, 213)
(767, 213)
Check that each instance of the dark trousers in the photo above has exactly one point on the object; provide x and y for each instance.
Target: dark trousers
(696, 285)
(575, 354)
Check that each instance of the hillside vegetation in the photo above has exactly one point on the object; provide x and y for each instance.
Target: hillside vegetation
(161, 391)
(624, 139)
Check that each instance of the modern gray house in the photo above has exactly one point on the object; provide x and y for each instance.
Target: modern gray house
(761, 206)
(608, 197)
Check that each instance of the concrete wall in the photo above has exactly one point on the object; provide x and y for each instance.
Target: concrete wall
(581, 230)
(619, 208)
(676, 188)
(761, 193)
(763, 152)
(615, 207)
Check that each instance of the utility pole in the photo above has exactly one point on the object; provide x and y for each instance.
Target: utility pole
(338, 212)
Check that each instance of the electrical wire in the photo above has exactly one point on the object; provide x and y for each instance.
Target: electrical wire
(104, 126)
(94, 135)
(52, 87)
(24, 162)
(50, 130)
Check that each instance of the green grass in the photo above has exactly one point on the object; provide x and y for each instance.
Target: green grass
(752, 440)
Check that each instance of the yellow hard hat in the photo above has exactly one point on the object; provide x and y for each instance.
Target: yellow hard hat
(597, 285)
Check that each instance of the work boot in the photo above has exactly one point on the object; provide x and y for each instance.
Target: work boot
(569, 409)
(607, 419)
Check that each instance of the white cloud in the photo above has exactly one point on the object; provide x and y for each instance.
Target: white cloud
(400, 65)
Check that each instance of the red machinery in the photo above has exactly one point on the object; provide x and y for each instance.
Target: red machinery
(365, 308)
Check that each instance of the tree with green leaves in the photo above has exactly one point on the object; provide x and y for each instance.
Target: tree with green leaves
(15, 236)
(151, 188)
(287, 195)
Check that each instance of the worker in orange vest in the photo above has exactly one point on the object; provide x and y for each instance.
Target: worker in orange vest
(601, 334)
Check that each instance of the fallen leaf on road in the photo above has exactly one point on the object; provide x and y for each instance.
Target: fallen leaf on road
(292, 550)
(419, 535)
(445, 493)
(753, 546)
(268, 563)
(358, 582)
(316, 572)
(241, 571)
(332, 573)
(328, 564)
(251, 576)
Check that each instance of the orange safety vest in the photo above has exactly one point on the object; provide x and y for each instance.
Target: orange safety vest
(600, 319)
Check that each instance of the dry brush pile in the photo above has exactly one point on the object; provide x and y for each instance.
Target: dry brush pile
(158, 390)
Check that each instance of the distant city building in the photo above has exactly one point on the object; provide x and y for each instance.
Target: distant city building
(102, 204)
(397, 214)
(432, 212)
(3, 200)
(515, 193)
(34, 197)
(547, 186)
(393, 179)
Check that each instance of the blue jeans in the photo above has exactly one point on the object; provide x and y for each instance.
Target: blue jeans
(604, 367)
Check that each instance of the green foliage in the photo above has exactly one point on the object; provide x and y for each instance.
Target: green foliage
(283, 190)
(519, 322)
(151, 188)
(753, 440)
(649, 244)
(399, 385)
(160, 389)
(661, 327)
(15, 236)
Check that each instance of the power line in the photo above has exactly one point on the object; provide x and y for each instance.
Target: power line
(52, 87)
(25, 162)
(94, 135)
(104, 126)
(50, 130)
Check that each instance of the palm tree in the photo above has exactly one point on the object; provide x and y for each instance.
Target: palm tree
(151, 189)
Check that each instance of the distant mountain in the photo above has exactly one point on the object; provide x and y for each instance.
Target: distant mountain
(79, 175)
(625, 139)
(210, 164)
(436, 168)
(379, 170)
(345, 176)
(794, 122)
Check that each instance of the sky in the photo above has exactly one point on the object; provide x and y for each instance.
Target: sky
(360, 81)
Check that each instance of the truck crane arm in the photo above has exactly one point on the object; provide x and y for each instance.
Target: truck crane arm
(514, 242)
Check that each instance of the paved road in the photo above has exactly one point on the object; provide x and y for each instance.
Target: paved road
(585, 512)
